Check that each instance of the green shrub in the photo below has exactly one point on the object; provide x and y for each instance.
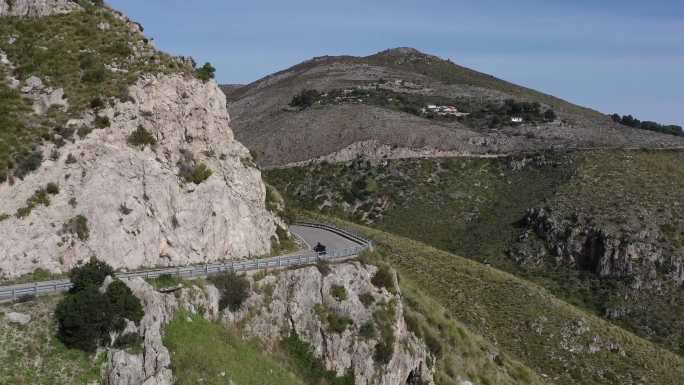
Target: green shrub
(97, 103)
(206, 72)
(550, 115)
(102, 122)
(305, 99)
(338, 292)
(92, 273)
(27, 163)
(165, 281)
(234, 290)
(384, 278)
(366, 299)
(39, 197)
(86, 317)
(338, 323)
(141, 137)
(384, 317)
(129, 341)
(367, 330)
(84, 131)
(78, 226)
(96, 74)
(123, 305)
(52, 188)
(83, 319)
(200, 173)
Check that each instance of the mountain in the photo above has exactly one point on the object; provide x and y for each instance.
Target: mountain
(375, 106)
(587, 208)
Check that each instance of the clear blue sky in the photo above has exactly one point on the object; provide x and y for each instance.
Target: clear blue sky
(622, 56)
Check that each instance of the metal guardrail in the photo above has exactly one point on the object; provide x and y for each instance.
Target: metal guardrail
(194, 271)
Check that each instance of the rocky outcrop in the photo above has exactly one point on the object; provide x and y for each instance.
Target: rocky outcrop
(373, 149)
(593, 249)
(291, 301)
(128, 204)
(18, 318)
(37, 8)
(153, 366)
(302, 301)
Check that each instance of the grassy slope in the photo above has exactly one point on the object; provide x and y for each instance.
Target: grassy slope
(470, 207)
(532, 325)
(205, 352)
(464, 205)
(52, 48)
(32, 354)
(461, 354)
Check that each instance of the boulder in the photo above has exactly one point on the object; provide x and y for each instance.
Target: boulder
(18, 318)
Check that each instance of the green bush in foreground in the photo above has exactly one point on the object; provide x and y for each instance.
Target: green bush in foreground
(86, 316)
(92, 273)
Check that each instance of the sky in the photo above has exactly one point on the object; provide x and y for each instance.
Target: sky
(622, 56)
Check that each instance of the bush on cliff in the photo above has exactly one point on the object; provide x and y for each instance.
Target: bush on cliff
(234, 290)
(206, 72)
(86, 316)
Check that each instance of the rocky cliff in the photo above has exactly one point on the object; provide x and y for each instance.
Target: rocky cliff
(127, 204)
(153, 366)
(36, 8)
(307, 301)
(594, 249)
(301, 302)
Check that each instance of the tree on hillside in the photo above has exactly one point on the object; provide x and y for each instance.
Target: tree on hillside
(206, 72)
(550, 115)
(86, 316)
(92, 273)
(305, 99)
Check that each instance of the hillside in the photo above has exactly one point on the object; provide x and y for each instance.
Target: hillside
(112, 148)
(599, 229)
(376, 106)
(561, 343)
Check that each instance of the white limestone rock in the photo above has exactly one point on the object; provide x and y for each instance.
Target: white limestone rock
(18, 318)
(37, 8)
(139, 211)
(44, 101)
(153, 366)
(291, 300)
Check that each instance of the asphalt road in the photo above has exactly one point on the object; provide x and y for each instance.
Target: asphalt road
(330, 240)
(338, 247)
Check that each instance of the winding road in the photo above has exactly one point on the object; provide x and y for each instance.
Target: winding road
(340, 244)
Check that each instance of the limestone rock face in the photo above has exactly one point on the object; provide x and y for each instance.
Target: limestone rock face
(138, 210)
(299, 301)
(153, 366)
(37, 8)
(594, 249)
